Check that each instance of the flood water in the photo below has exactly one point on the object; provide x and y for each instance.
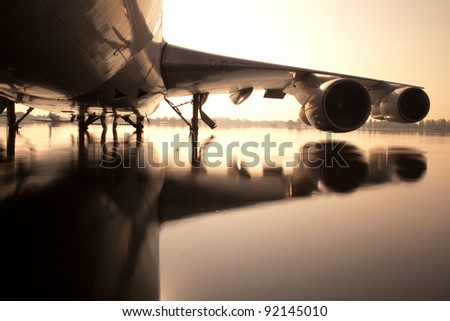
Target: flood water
(271, 214)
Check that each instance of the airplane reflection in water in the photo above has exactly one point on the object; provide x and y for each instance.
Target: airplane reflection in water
(321, 167)
(73, 230)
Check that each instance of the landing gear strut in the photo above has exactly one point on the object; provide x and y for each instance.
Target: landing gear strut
(196, 105)
(197, 102)
(82, 131)
(11, 116)
(139, 125)
(13, 124)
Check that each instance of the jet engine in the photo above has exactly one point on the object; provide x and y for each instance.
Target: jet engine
(403, 105)
(339, 105)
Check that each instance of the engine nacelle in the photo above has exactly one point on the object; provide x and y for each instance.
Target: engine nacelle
(339, 105)
(403, 105)
(302, 116)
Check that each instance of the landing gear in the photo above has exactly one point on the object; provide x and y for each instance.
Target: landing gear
(84, 123)
(16, 125)
(197, 102)
(13, 124)
(139, 125)
(116, 119)
(84, 120)
(11, 117)
(82, 132)
(196, 105)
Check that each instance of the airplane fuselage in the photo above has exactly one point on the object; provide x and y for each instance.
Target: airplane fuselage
(103, 54)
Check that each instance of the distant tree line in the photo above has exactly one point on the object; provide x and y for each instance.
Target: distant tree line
(431, 125)
(225, 122)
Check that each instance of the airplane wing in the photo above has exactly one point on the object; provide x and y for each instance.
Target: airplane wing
(330, 101)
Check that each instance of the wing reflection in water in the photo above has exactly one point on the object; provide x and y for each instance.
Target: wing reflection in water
(321, 167)
(73, 230)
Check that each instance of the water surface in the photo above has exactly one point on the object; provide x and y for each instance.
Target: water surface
(356, 216)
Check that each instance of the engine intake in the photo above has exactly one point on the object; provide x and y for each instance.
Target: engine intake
(403, 105)
(339, 105)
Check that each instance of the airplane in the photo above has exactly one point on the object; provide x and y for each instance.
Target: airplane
(87, 59)
(93, 58)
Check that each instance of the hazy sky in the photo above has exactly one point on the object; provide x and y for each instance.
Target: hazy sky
(402, 41)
